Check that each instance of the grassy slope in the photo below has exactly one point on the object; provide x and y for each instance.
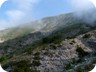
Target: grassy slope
(14, 32)
(45, 24)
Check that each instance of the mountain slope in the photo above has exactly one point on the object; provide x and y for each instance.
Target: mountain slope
(12, 33)
(64, 55)
(15, 32)
(48, 24)
(62, 43)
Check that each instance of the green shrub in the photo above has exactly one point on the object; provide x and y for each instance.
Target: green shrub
(35, 71)
(89, 67)
(5, 57)
(37, 58)
(72, 42)
(56, 38)
(79, 69)
(2, 58)
(46, 53)
(68, 67)
(74, 61)
(86, 36)
(29, 51)
(37, 53)
(36, 63)
(81, 52)
(22, 66)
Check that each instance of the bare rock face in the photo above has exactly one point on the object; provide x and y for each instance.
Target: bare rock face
(55, 58)
(68, 55)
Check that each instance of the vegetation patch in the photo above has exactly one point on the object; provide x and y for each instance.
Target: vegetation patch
(87, 36)
(36, 60)
(81, 52)
(21, 66)
(79, 69)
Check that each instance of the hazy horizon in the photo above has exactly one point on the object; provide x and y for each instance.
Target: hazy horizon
(18, 12)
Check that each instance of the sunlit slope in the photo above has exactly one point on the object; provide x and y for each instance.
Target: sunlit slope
(51, 24)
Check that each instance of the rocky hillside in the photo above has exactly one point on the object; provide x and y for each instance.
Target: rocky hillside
(49, 24)
(63, 43)
(69, 55)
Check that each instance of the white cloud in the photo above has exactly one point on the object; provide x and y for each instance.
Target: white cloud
(15, 15)
(81, 4)
(25, 4)
(84, 10)
(3, 24)
(22, 12)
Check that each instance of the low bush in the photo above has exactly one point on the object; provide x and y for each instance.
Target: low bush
(81, 52)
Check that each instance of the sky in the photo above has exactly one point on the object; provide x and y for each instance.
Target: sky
(16, 12)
